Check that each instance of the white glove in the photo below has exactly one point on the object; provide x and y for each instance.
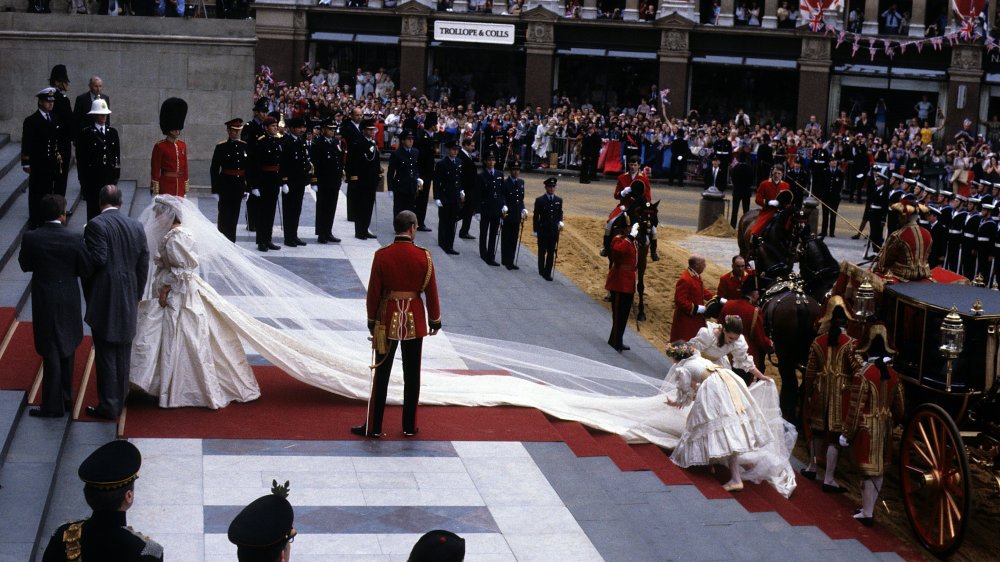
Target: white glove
(216, 197)
(772, 203)
(312, 187)
(635, 230)
(462, 194)
(700, 310)
(560, 225)
(245, 195)
(438, 203)
(478, 217)
(420, 183)
(524, 213)
(284, 188)
(722, 300)
(626, 191)
(843, 441)
(621, 207)
(504, 209)
(255, 192)
(680, 157)
(391, 194)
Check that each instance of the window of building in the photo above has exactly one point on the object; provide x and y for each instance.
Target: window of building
(894, 16)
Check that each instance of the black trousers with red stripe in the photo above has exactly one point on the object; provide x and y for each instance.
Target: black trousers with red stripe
(621, 306)
(411, 385)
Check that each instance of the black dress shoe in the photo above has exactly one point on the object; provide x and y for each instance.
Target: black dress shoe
(624, 348)
(96, 412)
(262, 247)
(856, 237)
(290, 243)
(251, 229)
(492, 263)
(465, 236)
(371, 234)
(361, 237)
(362, 431)
(514, 267)
(299, 242)
(830, 489)
(547, 277)
(333, 239)
(451, 252)
(808, 474)
(321, 240)
(423, 228)
(410, 433)
(40, 413)
(273, 246)
(866, 521)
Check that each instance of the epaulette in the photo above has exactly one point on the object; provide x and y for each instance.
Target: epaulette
(222, 142)
(261, 137)
(241, 141)
(150, 547)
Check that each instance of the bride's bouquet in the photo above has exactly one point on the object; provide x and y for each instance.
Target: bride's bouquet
(678, 351)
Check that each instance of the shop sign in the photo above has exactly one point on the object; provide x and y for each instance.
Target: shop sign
(474, 32)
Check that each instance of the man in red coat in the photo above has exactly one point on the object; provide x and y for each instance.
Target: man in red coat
(731, 282)
(690, 296)
(621, 283)
(745, 306)
(767, 198)
(169, 165)
(401, 272)
(905, 254)
(627, 194)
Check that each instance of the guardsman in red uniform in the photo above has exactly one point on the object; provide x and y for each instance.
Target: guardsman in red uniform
(905, 254)
(832, 364)
(767, 198)
(876, 407)
(169, 163)
(690, 296)
(745, 306)
(626, 193)
(401, 272)
(731, 282)
(621, 282)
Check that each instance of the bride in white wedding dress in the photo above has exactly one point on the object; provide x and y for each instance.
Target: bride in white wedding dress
(299, 328)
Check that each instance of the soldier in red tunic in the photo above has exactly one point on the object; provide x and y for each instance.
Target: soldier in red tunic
(690, 296)
(767, 198)
(745, 306)
(731, 282)
(621, 282)
(627, 194)
(401, 272)
(831, 366)
(169, 165)
(876, 407)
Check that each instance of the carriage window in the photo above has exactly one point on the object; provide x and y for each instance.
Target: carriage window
(908, 340)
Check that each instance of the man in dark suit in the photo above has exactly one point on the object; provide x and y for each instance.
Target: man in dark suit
(680, 151)
(714, 176)
(425, 158)
(765, 159)
(251, 132)
(81, 108)
(363, 172)
(723, 150)
(403, 176)
(229, 178)
(514, 214)
(448, 196)
(68, 130)
(116, 245)
(547, 222)
(590, 152)
(350, 129)
(470, 200)
(40, 155)
(296, 176)
(827, 188)
(265, 178)
(742, 176)
(490, 190)
(98, 156)
(328, 160)
(56, 258)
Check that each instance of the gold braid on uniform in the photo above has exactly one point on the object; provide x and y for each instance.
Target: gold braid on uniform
(71, 540)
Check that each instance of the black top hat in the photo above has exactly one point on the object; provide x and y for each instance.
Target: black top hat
(173, 112)
(111, 466)
(58, 74)
(406, 134)
(295, 122)
(410, 123)
(260, 105)
(264, 524)
(235, 123)
(550, 182)
(438, 546)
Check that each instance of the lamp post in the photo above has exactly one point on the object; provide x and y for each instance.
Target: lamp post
(952, 341)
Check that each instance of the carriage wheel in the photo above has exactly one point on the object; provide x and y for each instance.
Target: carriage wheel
(934, 471)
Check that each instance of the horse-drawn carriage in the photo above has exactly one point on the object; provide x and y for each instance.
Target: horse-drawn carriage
(948, 343)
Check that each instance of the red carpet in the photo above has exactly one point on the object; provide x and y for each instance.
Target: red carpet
(7, 316)
(20, 362)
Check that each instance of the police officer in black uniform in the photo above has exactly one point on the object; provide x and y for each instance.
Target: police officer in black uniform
(448, 196)
(108, 476)
(296, 176)
(547, 221)
(939, 236)
(262, 531)
(229, 177)
(514, 214)
(491, 203)
(798, 181)
(969, 233)
(63, 110)
(265, 182)
(98, 156)
(40, 155)
(403, 174)
(833, 185)
(327, 157)
(877, 205)
(956, 231)
(426, 152)
(818, 162)
(590, 152)
(723, 149)
(363, 172)
(470, 195)
(251, 132)
(985, 239)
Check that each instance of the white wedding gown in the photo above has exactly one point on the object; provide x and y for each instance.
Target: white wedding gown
(187, 353)
(287, 320)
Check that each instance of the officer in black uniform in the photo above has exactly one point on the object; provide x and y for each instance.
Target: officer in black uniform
(547, 221)
(229, 177)
(818, 162)
(798, 181)
(491, 203)
(251, 132)
(403, 175)
(98, 156)
(470, 195)
(514, 214)
(63, 111)
(296, 176)
(969, 233)
(878, 204)
(723, 149)
(834, 185)
(265, 182)
(860, 167)
(448, 196)
(426, 152)
(590, 152)
(262, 531)
(40, 155)
(939, 236)
(956, 231)
(363, 172)
(985, 239)
(108, 476)
(328, 160)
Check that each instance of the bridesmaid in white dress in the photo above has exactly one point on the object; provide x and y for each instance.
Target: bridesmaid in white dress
(185, 352)
(724, 345)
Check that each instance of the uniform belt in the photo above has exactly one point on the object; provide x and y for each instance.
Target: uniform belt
(876, 207)
(237, 173)
(170, 174)
(983, 238)
(269, 168)
(402, 295)
(954, 232)
(969, 235)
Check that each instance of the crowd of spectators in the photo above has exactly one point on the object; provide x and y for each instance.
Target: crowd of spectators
(226, 9)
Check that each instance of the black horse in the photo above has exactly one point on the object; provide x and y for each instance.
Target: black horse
(780, 244)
